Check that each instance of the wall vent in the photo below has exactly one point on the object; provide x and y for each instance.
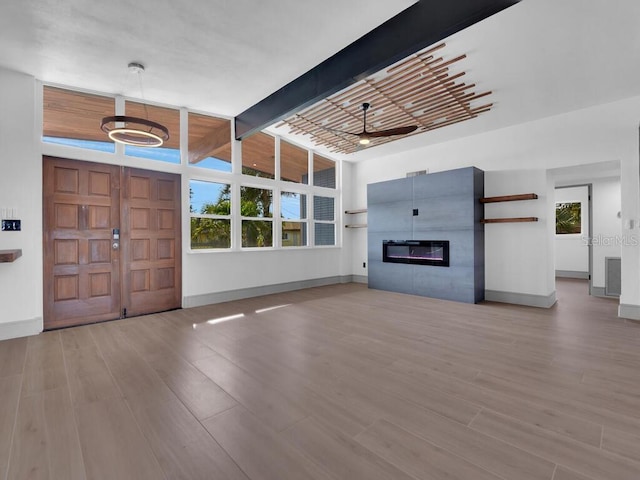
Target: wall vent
(416, 173)
(612, 277)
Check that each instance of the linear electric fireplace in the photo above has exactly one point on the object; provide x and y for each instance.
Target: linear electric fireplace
(416, 252)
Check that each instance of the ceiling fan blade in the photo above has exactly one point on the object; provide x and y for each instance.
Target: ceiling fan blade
(393, 131)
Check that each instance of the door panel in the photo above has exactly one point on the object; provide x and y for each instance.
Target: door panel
(152, 274)
(81, 269)
(86, 278)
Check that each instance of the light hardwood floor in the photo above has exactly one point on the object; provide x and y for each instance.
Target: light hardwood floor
(338, 382)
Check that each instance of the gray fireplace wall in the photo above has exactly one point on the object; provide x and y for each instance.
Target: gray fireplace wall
(449, 208)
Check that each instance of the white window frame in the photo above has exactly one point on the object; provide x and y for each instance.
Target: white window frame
(261, 219)
(211, 216)
(235, 178)
(306, 220)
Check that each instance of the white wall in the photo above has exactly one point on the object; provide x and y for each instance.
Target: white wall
(572, 250)
(216, 272)
(607, 227)
(21, 290)
(519, 256)
(593, 135)
(20, 187)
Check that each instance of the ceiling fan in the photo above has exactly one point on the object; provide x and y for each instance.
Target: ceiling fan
(366, 137)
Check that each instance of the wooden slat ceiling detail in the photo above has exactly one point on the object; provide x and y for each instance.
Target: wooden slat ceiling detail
(422, 90)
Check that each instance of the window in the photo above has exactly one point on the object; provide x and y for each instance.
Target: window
(170, 118)
(294, 163)
(210, 210)
(568, 218)
(293, 211)
(73, 119)
(256, 206)
(209, 142)
(324, 172)
(258, 155)
(324, 216)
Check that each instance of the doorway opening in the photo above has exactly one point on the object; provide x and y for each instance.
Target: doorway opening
(573, 231)
(598, 243)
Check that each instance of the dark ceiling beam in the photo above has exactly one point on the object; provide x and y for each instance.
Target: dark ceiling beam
(422, 24)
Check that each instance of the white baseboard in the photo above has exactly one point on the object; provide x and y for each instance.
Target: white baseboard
(20, 328)
(527, 299)
(230, 295)
(572, 274)
(598, 292)
(632, 312)
(360, 279)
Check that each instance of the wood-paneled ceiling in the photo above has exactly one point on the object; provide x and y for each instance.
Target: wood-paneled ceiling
(77, 115)
(425, 90)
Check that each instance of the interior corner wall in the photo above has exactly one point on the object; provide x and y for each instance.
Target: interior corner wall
(20, 190)
(354, 238)
(591, 135)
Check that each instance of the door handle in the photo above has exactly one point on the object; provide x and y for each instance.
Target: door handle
(116, 239)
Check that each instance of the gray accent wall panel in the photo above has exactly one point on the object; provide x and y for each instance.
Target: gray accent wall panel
(442, 184)
(446, 212)
(449, 208)
(389, 192)
(394, 277)
(390, 216)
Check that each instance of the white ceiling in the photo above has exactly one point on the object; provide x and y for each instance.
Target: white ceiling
(218, 56)
(539, 57)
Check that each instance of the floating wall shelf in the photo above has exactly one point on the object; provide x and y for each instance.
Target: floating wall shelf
(8, 256)
(509, 220)
(355, 212)
(509, 198)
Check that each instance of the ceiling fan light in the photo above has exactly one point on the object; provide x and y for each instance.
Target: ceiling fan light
(364, 140)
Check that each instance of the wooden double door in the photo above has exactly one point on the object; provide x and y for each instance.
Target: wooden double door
(112, 242)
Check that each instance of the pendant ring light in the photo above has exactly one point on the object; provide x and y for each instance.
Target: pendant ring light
(136, 131)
